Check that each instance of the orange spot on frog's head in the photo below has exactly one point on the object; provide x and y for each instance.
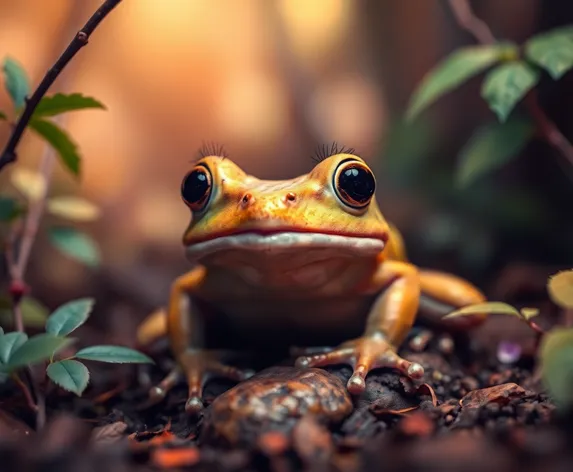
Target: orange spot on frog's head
(333, 205)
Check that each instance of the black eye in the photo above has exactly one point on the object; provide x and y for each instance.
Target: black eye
(196, 187)
(354, 183)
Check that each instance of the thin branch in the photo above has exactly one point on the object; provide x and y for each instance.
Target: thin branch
(80, 40)
(467, 20)
(26, 392)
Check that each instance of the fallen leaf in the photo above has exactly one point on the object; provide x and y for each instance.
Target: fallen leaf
(417, 424)
(109, 434)
(426, 390)
(174, 458)
(375, 409)
(501, 394)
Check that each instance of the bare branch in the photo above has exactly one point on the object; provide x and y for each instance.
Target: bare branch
(80, 40)
(471, 23)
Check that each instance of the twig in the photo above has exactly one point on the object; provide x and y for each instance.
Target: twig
(467, 20)
(26, 392)
(80, 40)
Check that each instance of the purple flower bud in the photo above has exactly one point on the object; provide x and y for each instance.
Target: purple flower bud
(508, 352)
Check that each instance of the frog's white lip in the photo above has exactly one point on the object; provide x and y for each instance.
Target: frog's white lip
(285, 240)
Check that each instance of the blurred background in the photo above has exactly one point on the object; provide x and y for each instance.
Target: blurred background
(270, 80)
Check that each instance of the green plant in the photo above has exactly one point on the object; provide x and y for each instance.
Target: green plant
(22, 209)
(17, 351)
(511, 73)
(23, 220)
(555, 346)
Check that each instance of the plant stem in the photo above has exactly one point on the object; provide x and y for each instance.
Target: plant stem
(26, 392)
(467, 20)
(80, 40)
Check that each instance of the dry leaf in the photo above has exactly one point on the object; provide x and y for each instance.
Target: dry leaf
(501, 394)
(560, 288)
(73, 208)
(175, 458)
(30, 184)
(109, 433)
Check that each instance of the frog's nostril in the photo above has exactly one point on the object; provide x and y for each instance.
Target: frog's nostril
(290, 197)
(247, 199)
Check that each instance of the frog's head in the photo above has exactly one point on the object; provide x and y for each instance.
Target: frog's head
(328, 212)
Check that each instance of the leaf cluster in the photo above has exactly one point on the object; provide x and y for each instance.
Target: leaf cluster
(556, 349)
(17, 85)
(18, 351)
(31, 186)
(511, 71)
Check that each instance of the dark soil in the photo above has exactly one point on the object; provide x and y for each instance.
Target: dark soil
(470, 412)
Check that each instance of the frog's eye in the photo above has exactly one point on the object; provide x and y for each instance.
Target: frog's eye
(196, 187)
(354, 183)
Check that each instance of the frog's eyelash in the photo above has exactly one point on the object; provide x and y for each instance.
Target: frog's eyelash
(325, 151)
(211, 149)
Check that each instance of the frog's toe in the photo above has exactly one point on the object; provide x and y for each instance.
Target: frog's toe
(199, 370)
(363, 354)
(159, 391)
(336, 356)
(197, 378)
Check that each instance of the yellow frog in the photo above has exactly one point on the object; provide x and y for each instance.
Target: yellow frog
(305, 262)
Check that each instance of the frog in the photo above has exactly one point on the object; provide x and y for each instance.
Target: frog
(308, 262)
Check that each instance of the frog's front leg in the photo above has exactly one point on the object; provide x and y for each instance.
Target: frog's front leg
(186, 336)
(389, 321)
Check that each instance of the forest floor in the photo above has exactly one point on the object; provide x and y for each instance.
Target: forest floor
(470, 412)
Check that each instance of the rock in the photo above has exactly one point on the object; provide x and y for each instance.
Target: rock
(274, 400)
(501, 394)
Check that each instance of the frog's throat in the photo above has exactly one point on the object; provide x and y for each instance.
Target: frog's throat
(285, 241)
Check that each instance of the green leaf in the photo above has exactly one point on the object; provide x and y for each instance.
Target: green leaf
(1, 331)
(493, 308)
(9, 208)
(490, 148)
(506, 85)
(60, 141)
(38, 348)
(34, 313)
(552, 50)
(76, 245)
(560, 289)
(9, 343)
(113, 354)
(70, 375)
(69, 316)
(61, 103)
(16, 82)
(451, 72)
(529, 313)
(556, 362)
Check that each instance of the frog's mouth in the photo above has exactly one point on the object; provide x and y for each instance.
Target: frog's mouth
(284, 241)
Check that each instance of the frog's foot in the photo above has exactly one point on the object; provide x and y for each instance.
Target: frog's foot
(420, 342)
(363, 354)
(198, 367)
